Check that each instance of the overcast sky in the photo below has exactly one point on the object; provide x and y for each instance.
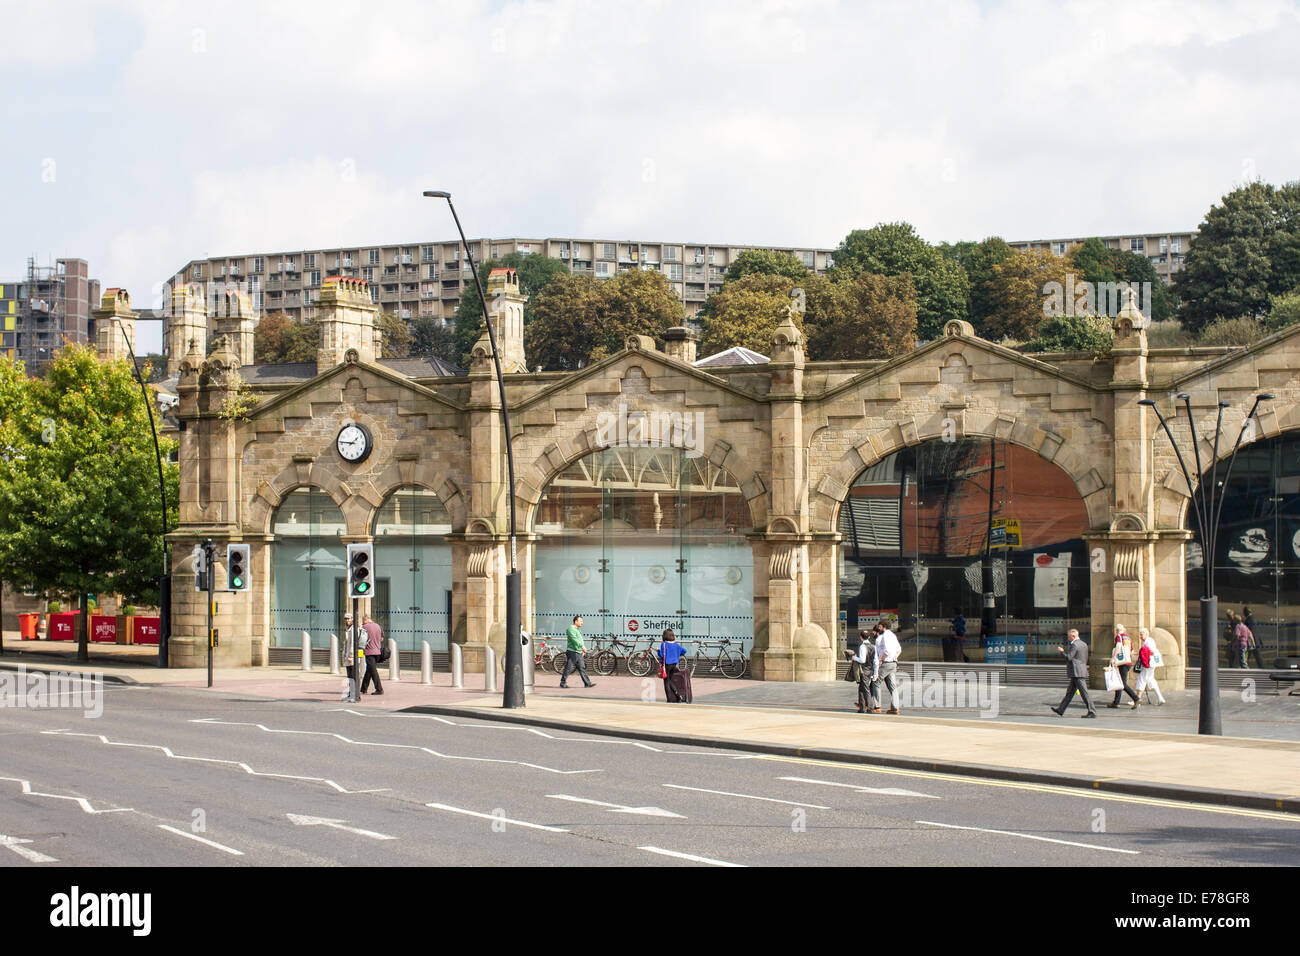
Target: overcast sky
(140, 135)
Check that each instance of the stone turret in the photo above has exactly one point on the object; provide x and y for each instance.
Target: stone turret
(114, 308)
(679, 343)
(505, 308)
(188, 323)
(236, 322)
(347, 322)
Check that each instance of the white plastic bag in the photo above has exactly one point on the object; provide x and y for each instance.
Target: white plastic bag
(1113, 681)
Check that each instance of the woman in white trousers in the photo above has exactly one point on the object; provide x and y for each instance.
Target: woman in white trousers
(1146, 681)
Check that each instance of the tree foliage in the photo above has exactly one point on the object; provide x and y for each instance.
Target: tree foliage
(277, 338)
(1094, 262)
(1246, 250)
(891, 249)
(79, 507)
(430, 338)
(766, 262)
(869, 316)
(394, 335)
(744, 312)
(1018, 291)
(535, 274)
(1073, 333)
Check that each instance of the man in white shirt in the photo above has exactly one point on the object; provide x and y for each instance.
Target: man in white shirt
(888, 650)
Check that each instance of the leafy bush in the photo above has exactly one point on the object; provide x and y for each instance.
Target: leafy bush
(1169, 334)
(1072, 333)
(1283, 310)
(56, 607)
(1235, 332)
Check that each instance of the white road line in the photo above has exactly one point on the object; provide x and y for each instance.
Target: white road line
(380, 743)
(748, 796)
(198, 839)
(884, 791)
(495, 817)
(33, 856)
(79, 801)
(231, 763)
(1030, 836)
(617, 807)
(303, 821)
(687, 856)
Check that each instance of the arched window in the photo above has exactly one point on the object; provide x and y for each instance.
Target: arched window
(928, 528)
(413, 569)
(307, 569)
(639, 539)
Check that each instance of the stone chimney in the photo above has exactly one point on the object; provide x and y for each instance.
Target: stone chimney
(679, 343)
(187, 323)
(235, 321)
(114, 307)
(505, 308)
(347, 322)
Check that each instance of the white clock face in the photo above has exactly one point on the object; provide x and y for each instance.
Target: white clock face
(353, 443)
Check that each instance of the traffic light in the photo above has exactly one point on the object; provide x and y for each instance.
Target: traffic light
(237, 564)
(361, 563)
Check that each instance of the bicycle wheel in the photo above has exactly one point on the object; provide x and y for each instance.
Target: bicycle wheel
(557, 661)
(604, 663)
(638, 665)
(733, 665)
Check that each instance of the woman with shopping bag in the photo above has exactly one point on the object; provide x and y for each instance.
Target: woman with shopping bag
(1121, 659)
(1147, 662)
(676, 678)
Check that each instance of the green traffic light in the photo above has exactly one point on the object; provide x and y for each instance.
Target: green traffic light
(362, 587)
(237, 581)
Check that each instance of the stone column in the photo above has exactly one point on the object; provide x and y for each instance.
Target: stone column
(679, 344)
(114, 309)
(186, 326)
(347, 323)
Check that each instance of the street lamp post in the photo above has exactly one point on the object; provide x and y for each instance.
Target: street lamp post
(514, 672)
(1207, 513)
(164, 583)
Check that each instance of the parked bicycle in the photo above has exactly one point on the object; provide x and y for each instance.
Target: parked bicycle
(730, 663)
(605, 661)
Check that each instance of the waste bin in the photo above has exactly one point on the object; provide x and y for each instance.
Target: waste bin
(27, 626)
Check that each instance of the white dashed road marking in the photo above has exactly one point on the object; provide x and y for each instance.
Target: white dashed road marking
(687, 856)
(495, 818)
(198, 839)
(618, 807)
(1030, 836)
(748, 796)
(884, 791)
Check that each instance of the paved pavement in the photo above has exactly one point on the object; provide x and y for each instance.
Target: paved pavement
(172, 776)
(1153, 750)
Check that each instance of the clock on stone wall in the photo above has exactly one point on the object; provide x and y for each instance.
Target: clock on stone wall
(354, 443)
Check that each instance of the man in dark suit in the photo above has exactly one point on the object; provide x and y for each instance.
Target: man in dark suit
(1076, 667)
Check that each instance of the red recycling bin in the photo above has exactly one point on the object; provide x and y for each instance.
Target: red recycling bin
(144, 630)
(103, 629)
(63, 627)
(27, 626)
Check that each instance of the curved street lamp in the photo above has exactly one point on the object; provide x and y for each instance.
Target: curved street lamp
(1207, 513)
(514, 673)
(164, 583)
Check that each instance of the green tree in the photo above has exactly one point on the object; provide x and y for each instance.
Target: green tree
(394, 335)
(1022, 285)
(635, 302)
(869, 316)
(766, 262)
(278, 338)
(1245, 250)
(535, 274)
(565, 326)
(78, 494)
(430, 338)
(1283, 310)
(1073, 333)
(978, 260)
(744, 312)
(942, 289)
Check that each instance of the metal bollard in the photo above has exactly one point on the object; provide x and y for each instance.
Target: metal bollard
(457, 666)
(426, 663)
(334, 655)
(529, 662)
(489, 670)
(306, 651)
(394, 664)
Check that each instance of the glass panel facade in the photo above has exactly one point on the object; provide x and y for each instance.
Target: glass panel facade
(922, 527)
(308, 566)
(640, 539)
(413, 568)
(1257, 555)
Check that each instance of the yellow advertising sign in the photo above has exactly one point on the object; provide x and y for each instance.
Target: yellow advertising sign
(1005, 533)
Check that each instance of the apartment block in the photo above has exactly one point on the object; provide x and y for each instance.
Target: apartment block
(46, 309)
(1165, 251)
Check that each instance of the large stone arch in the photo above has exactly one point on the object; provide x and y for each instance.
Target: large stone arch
(833, 488)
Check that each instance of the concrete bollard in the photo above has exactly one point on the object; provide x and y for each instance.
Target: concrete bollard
(457, 666)
(306, 651)
(334, 655)
(394, 662)
(426, 663)
(489, 670)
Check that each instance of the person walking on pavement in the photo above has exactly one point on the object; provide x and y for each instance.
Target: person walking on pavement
(1076, 669)
(573, 655)
(883, 667)
(1146, 682)
(954, 645)
(351, 634)
(677, 679)
(1249, 619)
(1121, 657)
(865, 660)
(374, 647)
(1235, 657)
